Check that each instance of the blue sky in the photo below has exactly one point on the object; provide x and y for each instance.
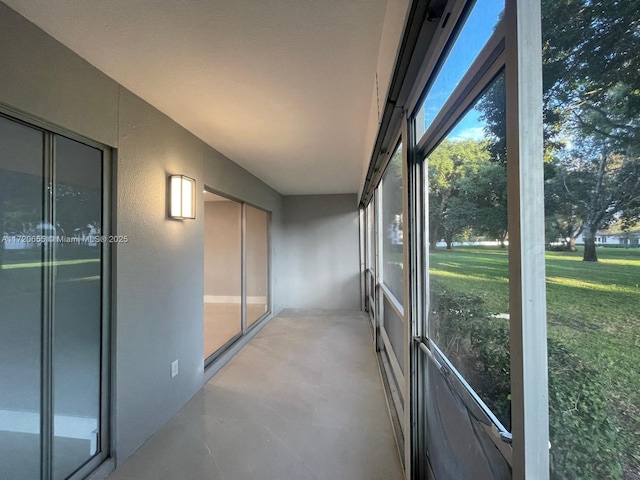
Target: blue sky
(472, 38)
(469, 128)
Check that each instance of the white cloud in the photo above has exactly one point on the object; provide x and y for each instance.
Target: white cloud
(473, 133)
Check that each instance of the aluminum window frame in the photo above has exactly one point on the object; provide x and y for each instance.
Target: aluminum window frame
(382, 290)
(526, 448)
(475, 82)
(393, 377)
(515, 47)
(501, 433)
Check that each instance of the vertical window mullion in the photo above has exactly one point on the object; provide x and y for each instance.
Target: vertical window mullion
(527, 296)
(407, 296)
(107, 254)
(46, 416)
(415, 461)
(243, 263)
(376, 263)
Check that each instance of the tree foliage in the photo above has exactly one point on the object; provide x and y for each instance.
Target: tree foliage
(591, 57)
(487, 190)
(451, 208)
(467, 178)
(564, 217)
(467, 192)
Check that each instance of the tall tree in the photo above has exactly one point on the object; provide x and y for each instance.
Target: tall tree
(493, 108)
(601, 186)
(591, 56)
(458, 219)
(564, 215)
(487, 190)
(450, 212)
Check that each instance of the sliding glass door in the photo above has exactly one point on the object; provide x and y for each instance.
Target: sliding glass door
(53, 355)
(236, 271)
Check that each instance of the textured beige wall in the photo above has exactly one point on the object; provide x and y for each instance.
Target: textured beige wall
(322, 245)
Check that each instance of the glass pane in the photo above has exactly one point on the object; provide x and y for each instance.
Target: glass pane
(591, 59)
(77, 320)
(21, 216)
(392, 260)
(473, 36)
(370, 258)
(257, 244)
(468, 240)
(370, 237)
(462, 447)
(394, 327)
(222, 271)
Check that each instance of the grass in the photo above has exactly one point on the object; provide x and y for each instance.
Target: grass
(592, 308)
(21, 270)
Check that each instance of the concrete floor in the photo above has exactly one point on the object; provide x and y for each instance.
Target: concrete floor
(302, 401)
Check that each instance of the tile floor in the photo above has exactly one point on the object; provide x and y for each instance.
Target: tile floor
(302, 401)
(222, 322)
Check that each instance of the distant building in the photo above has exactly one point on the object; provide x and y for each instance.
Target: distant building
(617, 238)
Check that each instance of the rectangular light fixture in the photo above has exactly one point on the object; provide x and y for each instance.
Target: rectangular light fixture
(183, 197)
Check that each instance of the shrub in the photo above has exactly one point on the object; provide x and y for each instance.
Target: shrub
(583, 429)
(476, 341)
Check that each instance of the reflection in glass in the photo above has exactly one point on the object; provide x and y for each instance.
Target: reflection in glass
(473, 36)
(392, 260)
(257, 261)
(468, 240)
(77, 319)
(222, 271)
(21, 219)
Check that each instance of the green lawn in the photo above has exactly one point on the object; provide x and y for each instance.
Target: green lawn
(21, 270)
(592, 308)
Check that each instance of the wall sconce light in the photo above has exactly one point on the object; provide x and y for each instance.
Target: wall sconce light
(183, 197)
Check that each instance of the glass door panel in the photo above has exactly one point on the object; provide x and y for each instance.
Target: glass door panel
(21, 289)
(77, 310)
(222, 272)
(257, 262)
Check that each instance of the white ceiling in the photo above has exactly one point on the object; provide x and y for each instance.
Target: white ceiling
(282, 87)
